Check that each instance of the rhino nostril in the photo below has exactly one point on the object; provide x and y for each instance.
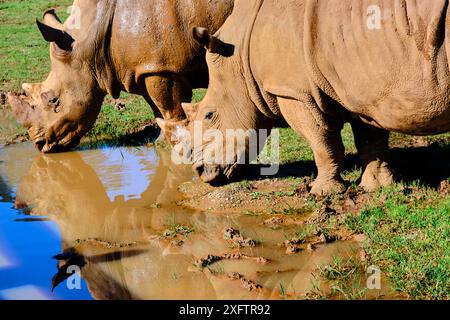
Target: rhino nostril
(26, 88)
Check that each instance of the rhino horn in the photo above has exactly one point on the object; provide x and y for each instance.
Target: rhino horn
(52, 20)
(171, 129)
(190, 109)
(61, 38)
(212, 43)
(23, 111)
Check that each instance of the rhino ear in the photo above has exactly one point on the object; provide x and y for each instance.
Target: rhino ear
(61, 38)
(203, 37)
(52, 20)
(211, 43)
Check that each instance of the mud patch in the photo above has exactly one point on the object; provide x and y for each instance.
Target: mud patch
(120, 105)
(8, 141)
(177, 234)
(147, 131)
(235, 237)
(281, 203)
(93, 242)
(245, 283)
(209, 260)
(269, 196)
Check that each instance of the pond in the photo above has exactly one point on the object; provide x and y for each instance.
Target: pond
(108, 224)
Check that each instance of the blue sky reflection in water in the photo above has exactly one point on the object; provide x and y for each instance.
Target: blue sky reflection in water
(28, 243)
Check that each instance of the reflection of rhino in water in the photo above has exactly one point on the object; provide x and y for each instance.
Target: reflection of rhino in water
(120, 246)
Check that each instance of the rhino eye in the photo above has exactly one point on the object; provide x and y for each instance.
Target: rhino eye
(51, 100)
(209, 115)
(54, 103)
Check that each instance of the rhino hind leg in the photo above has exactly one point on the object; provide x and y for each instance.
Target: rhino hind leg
(373, 148)
(325, 141)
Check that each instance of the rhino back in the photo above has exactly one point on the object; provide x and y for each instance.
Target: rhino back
(395, 77)
(393, 71)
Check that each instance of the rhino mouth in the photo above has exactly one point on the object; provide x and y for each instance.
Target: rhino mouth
(215, 175)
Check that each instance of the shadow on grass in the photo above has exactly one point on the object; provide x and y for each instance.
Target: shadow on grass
(429, 165)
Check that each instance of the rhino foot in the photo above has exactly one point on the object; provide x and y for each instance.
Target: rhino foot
(376, 175)
(326, 187)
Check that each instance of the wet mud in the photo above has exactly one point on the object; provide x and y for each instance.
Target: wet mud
(140, 227)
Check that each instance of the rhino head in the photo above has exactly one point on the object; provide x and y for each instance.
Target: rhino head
(219, 136)
(60, 110)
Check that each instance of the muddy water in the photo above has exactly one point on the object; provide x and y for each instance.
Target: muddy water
(116, 214)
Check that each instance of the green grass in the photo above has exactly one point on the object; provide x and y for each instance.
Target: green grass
(344, 279)
(409, 238)
(303, 234)
(176, 230)
(197, 95)
(23, 53)
(283, 291)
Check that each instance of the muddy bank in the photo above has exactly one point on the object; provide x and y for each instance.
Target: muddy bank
(279, 202)
(308, 223)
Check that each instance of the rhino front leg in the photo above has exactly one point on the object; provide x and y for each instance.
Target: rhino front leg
(325, 141)
(165, 96)
(373, 148)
